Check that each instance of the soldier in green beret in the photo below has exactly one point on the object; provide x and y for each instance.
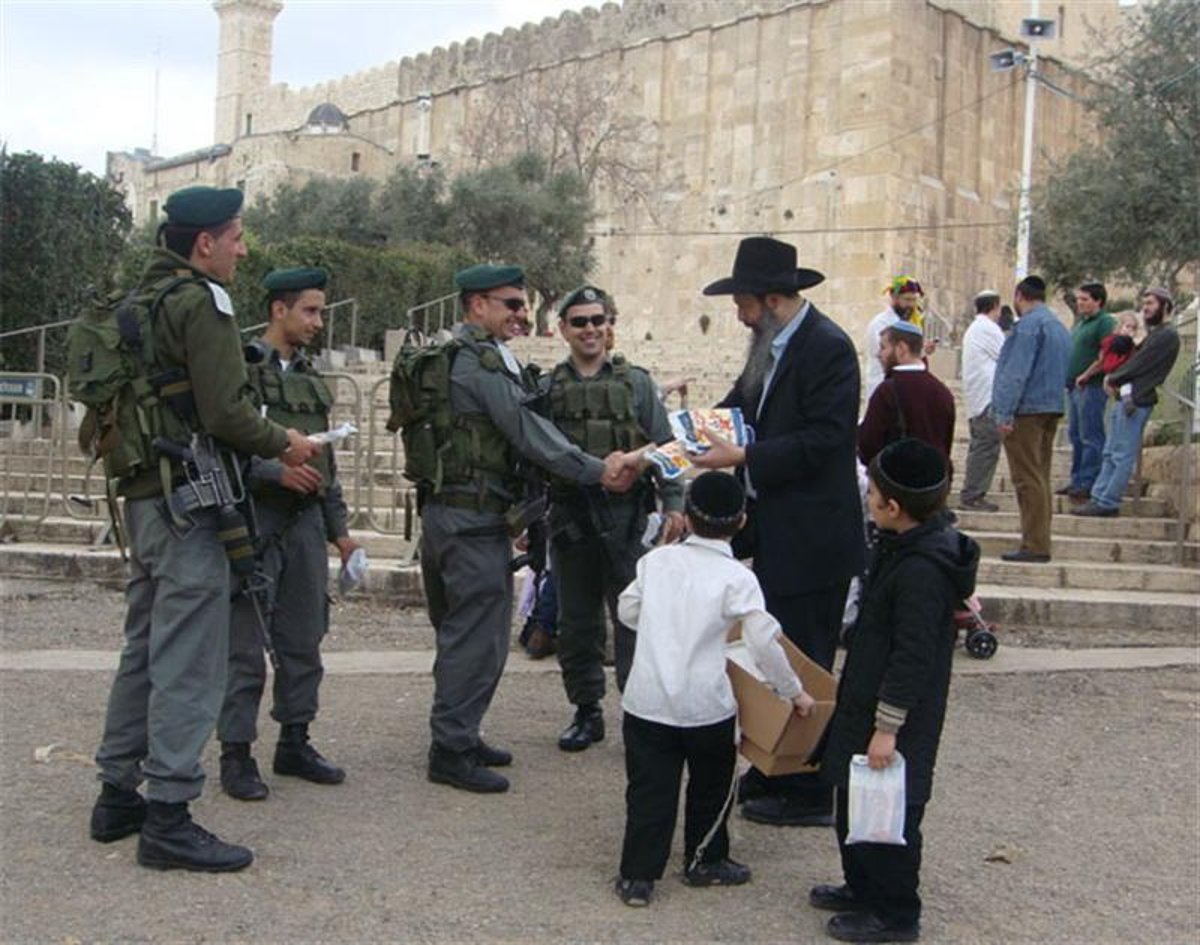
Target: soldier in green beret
(602, 403)
(171, 678)
(299, 509)
(465, 543)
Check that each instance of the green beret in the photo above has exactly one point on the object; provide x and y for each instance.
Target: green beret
(295, 280)
(584, 295)
(485, 276)
(203, 206)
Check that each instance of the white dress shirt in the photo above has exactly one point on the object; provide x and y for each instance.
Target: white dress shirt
(874, 370)
(682, 604)
(981, 346)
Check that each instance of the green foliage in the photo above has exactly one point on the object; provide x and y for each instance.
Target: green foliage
(325, 206)
(63, 232)
(1126, 206)
(411, 207)
(522, 213)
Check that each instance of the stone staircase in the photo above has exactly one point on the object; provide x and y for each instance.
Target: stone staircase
(1126, 579)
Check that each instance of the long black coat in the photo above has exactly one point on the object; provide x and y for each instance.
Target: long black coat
(899, 651)
(805, 531)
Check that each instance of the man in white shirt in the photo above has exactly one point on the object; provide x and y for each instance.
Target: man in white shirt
(904, 294)
(980, 350)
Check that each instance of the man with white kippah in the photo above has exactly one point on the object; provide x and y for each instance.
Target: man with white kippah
(981, 346)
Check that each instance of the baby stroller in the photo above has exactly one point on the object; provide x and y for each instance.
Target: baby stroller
(980, 640)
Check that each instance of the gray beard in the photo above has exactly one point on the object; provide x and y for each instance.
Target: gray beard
(758, 357)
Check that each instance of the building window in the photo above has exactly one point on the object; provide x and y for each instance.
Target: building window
(249, 122)
(355, 161)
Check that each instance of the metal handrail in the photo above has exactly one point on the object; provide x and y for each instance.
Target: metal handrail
(440, 303)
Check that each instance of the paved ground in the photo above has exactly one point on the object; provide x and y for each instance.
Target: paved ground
(1065, 811)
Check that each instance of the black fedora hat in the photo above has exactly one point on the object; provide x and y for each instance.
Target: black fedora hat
(765, 265)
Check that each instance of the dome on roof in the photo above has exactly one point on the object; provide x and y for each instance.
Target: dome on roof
(326, 118)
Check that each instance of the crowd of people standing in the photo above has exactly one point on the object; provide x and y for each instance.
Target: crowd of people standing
(791, 505)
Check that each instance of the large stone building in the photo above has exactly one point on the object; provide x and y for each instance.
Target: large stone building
(871, 133)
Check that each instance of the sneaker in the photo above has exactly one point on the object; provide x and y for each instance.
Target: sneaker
(978, 505)
(635, 892)
(721, 873)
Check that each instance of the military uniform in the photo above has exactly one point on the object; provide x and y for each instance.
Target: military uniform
(595, 537)
(293, 531)
(171, 677)
(465, 545)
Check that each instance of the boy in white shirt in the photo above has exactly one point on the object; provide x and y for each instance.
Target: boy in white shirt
(678, 702)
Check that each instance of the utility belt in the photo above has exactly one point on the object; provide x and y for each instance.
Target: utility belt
(467, 500)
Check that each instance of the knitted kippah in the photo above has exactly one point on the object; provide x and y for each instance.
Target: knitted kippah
(716, 498)
(912, 466)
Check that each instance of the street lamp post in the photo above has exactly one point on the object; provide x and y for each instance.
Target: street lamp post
(1033, 28)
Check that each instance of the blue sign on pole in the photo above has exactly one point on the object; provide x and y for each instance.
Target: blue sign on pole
(17, 387)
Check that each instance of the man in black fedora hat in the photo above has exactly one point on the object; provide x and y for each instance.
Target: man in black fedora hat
(799, 389)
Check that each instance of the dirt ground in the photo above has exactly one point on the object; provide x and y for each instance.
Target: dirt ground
(1066, 810)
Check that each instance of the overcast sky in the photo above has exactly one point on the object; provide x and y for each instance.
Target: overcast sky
(77, 79)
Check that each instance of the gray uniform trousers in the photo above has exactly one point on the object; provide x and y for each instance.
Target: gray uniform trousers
(983, 453)
(295, 559)
(171, 677)
(469, 592)
(589, 582)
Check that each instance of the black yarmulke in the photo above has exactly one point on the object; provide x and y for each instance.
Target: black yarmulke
(913, 465)
(716, 497)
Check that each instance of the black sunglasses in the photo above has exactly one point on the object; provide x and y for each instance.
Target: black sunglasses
(582, 321)
(513, 305)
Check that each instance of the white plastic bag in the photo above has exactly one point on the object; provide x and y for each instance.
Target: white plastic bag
(876, 802)
(353, 571)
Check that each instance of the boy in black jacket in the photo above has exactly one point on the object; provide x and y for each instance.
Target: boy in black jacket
(893, 689)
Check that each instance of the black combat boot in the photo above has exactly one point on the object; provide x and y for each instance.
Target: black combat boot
(172, 841)
(117, 813)
(462, 769)
(587, 727)
(295, 757)
(239, 773)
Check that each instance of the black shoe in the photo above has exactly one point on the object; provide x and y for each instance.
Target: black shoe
(721, 873)
(782, 810)
(1025, 557)
(587, 727)
(296, 758)
(1066, 490)
(171, 840)
(1092, 510)
(540, 643)
(635, 892)
(117, 813)
(239, 773)
(978, 505)
(491, 757)
(752, 784)
(461, 769)
(835, 899)
(868, 927)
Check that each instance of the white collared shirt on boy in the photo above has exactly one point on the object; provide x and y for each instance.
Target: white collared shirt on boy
(682, 604)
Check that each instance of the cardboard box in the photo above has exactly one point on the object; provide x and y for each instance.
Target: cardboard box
(774, 739)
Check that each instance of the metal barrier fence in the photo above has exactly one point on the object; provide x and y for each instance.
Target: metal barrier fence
(29, 461)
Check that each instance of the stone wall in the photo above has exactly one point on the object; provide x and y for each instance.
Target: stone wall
(870, 133)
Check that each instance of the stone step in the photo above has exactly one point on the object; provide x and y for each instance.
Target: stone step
(1116, 550)
(1131, 507)
(1118, 528)
(1115, 609)
(1003, 604)
(1079, 575)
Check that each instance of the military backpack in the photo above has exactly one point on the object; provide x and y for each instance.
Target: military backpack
(441, 447)
(113, 370)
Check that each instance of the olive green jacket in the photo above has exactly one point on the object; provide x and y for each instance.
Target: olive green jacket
(192, 331)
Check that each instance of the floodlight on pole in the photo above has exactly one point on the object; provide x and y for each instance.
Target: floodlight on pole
(1033, 28)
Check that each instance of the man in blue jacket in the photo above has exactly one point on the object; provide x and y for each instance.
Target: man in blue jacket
(1027, 403)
